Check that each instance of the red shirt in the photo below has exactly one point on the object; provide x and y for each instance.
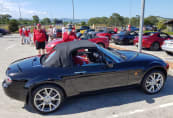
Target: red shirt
(20, 31)
(26, 33)
(39, 35)
(116, 30)
(69, 37)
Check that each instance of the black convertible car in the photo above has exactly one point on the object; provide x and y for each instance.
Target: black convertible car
(124, 38)
(79, 67)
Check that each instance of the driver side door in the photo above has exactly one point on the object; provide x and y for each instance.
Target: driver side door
(92, 77)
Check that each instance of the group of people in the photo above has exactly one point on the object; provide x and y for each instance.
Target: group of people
(25, 33)
(41, 36)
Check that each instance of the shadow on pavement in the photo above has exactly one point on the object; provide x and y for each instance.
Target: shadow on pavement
(104, 99)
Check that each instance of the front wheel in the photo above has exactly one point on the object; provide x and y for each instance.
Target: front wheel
(47, 98)
(153, 82)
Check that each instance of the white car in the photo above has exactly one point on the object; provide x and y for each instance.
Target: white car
(168, 46)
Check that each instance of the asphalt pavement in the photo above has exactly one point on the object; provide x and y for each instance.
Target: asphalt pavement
(124, 103)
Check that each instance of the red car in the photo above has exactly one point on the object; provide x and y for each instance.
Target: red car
(152, 40)
(102, 41)
(107, 34)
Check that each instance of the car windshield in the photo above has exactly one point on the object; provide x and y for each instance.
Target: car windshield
(149, 34)
(113, 54)
(47, 58)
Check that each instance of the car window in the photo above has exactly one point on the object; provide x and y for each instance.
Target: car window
(149, 34)
(163, 35)
(87, 56)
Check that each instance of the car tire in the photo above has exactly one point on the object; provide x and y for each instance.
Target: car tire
(155, 46)
(153, 82)
(47, 98)
(101, 45)
(169, 53)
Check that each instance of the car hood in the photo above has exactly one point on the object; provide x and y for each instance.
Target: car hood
(24, 65)
(132, 55)
(54, 42)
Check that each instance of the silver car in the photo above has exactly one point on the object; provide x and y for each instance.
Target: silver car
(168, 46)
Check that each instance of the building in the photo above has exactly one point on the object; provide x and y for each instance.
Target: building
(169, 25)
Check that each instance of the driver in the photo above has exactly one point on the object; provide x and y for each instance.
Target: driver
(69, 35)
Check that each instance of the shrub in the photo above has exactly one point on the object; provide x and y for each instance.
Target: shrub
(13, 25)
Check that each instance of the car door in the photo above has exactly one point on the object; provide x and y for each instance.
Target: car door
(92, 77)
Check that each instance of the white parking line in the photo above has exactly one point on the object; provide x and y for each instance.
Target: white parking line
(11, 46)
(124, 114)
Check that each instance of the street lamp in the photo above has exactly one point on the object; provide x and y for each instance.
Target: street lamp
(73, 9)
(141, 25)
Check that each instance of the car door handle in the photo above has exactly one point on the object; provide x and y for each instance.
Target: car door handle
(81, 72)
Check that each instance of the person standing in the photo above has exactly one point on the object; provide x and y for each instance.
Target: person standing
(54, 32)
(39, 40)
(26, 32)
(21, 34)
(50, 32)
(69, 35)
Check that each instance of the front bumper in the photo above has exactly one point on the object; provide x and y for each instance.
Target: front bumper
(15, 90)
(166, 48)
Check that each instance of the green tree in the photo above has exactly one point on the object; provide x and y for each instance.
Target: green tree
(83, 23)
(35, 19)
(55, 20)
(151, 20)
(4, 18)
(161, 25)
(46, 21)
(13, 25)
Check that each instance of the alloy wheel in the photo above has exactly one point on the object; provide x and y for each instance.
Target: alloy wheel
(47, 99)
(154, 82)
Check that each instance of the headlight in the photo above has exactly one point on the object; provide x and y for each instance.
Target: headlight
(8, 80)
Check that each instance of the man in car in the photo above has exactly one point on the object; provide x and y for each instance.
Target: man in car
(69, 35)
(39, 39)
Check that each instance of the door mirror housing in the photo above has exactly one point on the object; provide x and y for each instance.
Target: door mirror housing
(109, 64)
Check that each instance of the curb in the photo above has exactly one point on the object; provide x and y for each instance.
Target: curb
(115, 47)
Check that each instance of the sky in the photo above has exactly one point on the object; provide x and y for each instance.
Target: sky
(84, 9)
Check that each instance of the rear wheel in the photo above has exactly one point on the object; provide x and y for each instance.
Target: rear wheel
(47, 98)
(153, 82)
(155, 46)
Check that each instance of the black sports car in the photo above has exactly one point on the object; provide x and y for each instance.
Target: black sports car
(79, 67)
(124, 38)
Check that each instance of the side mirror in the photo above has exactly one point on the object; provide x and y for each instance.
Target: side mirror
(109, 64)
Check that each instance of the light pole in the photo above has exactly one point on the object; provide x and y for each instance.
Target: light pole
(141, 25)
(73, 9)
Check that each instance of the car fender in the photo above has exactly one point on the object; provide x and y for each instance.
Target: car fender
(41, 80)
(152, 66)
(66, 86)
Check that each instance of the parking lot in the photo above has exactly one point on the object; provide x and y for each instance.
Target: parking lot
(125, 103)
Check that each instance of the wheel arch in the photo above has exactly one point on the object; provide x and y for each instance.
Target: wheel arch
(152, 69)
(35, 86)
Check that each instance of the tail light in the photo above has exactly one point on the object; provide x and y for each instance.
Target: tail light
(167, 66)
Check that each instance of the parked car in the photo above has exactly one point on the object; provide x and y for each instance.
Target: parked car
(46, 81)
(124, 37)
(59, 33)
(133, 29)
(91, 36)
(106, 33)
(82, 29)
(168, 46)
(153, 40)
(3, 31)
